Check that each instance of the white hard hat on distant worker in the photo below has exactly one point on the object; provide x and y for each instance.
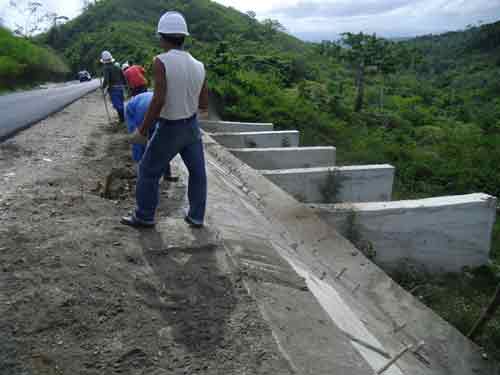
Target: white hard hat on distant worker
(125, 66)
(173, 23)
(106, 57)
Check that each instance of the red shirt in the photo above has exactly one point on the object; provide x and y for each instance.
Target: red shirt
(135, 76)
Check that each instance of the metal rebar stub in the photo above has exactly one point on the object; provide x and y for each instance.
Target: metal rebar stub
(367, 345)
(341, 273)
(420, 356)
(394, 360)
(399, 327)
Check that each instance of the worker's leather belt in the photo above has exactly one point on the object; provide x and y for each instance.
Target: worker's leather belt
(163, 121)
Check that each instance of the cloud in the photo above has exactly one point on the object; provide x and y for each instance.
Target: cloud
(326, 19)
(341, 8)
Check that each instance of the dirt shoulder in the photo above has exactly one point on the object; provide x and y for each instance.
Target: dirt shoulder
(81, 294)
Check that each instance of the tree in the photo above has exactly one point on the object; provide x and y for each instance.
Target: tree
(367, 53)
(30, 12)
(272, 27)
(328, 48)
(87, 4)
(54, 32)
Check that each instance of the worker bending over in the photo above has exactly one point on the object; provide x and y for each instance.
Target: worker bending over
(136, 80)
(135, 111)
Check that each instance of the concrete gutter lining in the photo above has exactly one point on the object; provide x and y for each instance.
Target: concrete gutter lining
(379, 303)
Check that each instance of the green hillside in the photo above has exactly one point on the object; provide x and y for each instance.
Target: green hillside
(431, 105)
(128, 28)
(24, 63)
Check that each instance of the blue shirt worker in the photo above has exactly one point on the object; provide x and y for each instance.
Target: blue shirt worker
(114, 82)
(180, 91)
(135, 111)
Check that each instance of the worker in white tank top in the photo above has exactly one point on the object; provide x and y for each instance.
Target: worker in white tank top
(180, 93)
(185, 79)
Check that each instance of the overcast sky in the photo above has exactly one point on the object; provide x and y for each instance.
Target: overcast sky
(325, 19)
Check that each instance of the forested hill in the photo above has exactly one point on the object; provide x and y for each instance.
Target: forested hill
(461, 45)
(23, 63)
(128, 28)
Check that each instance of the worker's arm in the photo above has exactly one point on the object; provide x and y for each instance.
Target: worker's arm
(203, 105)
(160, 92)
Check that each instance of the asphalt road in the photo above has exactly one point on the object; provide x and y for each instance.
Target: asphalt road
(20, 110)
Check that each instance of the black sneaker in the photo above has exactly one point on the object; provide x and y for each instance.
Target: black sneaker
(191, 223)
(132, 221)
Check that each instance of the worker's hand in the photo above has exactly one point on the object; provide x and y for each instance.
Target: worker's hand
(138, 138)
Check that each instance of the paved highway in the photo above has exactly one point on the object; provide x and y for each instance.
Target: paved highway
(21, 110)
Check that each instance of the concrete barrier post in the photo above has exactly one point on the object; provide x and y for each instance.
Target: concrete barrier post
(234, 127)
(287, 157)
(441, 234)
(273, 139)
(363, 183)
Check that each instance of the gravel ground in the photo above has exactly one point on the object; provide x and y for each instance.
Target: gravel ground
(81, 294)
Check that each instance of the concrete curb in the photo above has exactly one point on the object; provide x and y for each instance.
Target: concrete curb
(441, 234)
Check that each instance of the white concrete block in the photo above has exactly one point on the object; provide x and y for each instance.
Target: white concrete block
(440, 234)
(289, 138)
(287, 157)
(364, 183)
(234, 127)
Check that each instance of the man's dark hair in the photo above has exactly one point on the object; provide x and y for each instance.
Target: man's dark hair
(175, 40)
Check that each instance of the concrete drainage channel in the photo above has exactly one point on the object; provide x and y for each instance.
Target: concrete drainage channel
(388, 328)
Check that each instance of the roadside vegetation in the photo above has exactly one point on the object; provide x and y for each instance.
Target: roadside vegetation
(430, 106)
(23, 63)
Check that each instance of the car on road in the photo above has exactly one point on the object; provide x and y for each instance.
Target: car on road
(84, 76)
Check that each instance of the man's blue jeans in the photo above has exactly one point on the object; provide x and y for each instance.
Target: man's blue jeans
(117, 98)
(138, 150)
(169, 139)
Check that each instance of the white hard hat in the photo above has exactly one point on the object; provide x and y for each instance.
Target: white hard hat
(173, 23)
(125, 66)
(106, 57)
